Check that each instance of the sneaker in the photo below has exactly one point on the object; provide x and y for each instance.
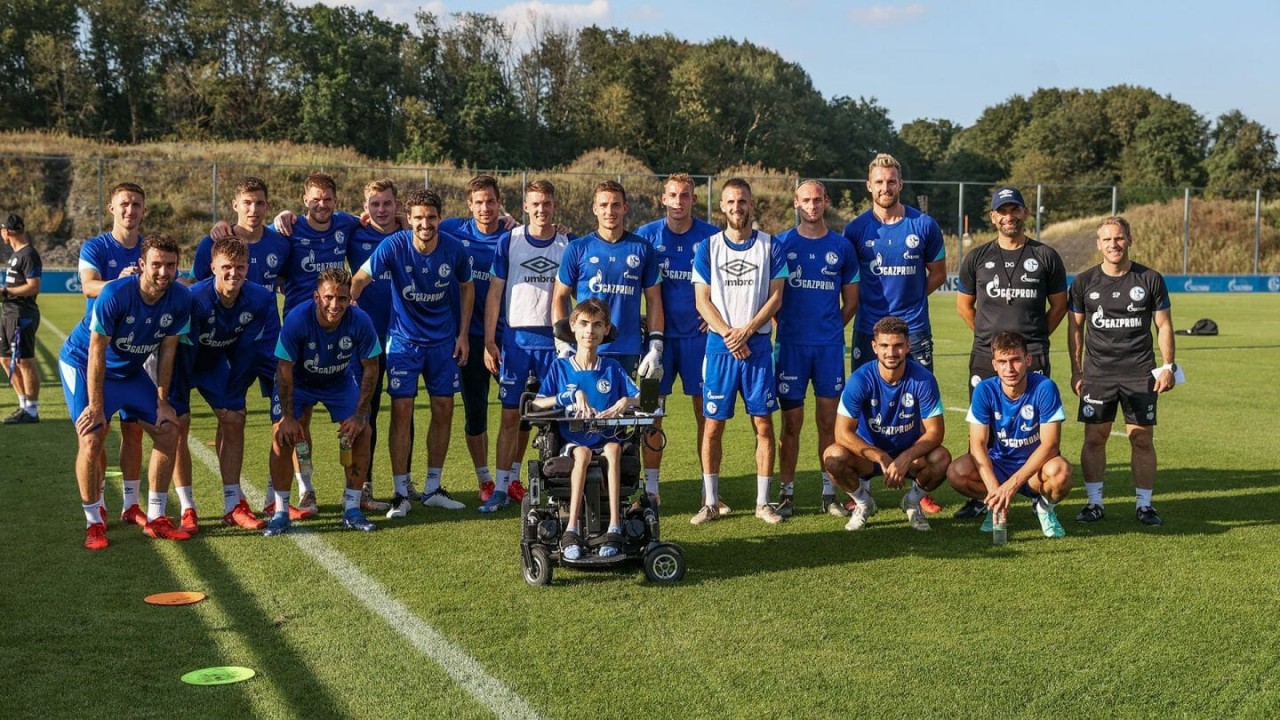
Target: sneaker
(278, 525)
(294, 513)
(441, 499)
(21, 417)
(413, 491)
(1147, 515)
(785, 507)
(354, 519)
(1049, 524)
(768, 514)
(496, 502)
(722, 508)
(971, 509)
(915, 515)
(857, 519)
(162, 529)
(242, 516)
(133, 514)
(515, 491)
(190, 524)
(1091, 513)
(14, 417)
(95, 537)
(307, 505)
(486, 490)
(572, 552)
(988, 522)
(872, 507)
(929, 505)
(369, 505)
(705, 515)
(833, 507)
(400, 506)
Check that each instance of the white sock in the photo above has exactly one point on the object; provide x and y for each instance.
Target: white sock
(351, 498)
(515, 472)
(503, 481)
(91, 515)
(432, 482)
(762, 489)
(827, 487)
(861, 497)
(102, 503)
(282, 500)
(710, 488)
(787, 488)
(157, 504)
(1043, 506)
(1094, 491)
(402, 484)
(651, 480)
(33, 407)
(1144, 497)
(482, 474)
(22, 402)
(915, 494)
(230, 498)
(186, 497)
(304, 482)
(130, 493)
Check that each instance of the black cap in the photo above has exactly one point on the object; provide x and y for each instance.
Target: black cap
(1006, 196)
(13, 222)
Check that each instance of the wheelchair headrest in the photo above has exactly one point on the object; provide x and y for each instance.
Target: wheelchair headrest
(563, 332)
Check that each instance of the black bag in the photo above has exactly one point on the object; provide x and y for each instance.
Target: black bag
(1203, 326)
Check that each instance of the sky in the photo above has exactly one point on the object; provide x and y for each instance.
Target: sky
(951, 60)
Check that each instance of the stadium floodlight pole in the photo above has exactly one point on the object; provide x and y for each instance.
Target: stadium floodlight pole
(1257, 227)
(1186, 227)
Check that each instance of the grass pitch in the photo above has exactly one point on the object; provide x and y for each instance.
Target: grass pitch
(798, 620)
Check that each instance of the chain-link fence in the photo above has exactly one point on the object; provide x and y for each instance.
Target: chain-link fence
(1176, 230)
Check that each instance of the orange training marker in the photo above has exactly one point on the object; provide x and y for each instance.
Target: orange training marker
(175, 598)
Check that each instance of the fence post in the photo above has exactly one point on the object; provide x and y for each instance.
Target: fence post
(795, 212)
(101, 203)
(426, 178)
(1186, 227)
(709, 198)
(213, 200)
(1039, 207)
(1115, 201)
(960, 224)
(1257, 227)
(524, 183)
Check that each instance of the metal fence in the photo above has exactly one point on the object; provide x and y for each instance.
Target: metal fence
(1177, 230)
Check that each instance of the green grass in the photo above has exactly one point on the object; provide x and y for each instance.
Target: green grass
(798, 620)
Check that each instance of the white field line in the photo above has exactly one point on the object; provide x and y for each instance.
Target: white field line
(455, 661)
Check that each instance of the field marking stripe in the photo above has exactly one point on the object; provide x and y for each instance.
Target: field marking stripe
(455, 661)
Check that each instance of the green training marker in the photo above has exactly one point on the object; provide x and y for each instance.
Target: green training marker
(218, 675)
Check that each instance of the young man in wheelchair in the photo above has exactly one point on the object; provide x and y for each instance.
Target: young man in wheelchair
(588, 386)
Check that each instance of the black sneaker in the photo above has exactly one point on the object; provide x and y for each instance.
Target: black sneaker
(1091, 513)
(1147, 515)
(784, 506)
(971, 509)
(21, 417)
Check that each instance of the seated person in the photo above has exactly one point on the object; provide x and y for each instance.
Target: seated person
(589, 386)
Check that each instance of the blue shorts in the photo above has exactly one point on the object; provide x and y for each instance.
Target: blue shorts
(340, 399)
(724, 376)
(921, 349)
(683, 356)
(517, 365)
(133, 397)
(798, 365)
(1004, 468)
(406, 361)
(215, 385)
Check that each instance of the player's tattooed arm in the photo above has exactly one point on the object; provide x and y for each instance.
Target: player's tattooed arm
(368, 379)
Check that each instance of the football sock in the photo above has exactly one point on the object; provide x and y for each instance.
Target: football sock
(865, 483)
(1094, 491)
(33, 407)
(22, 402)
(230, 498)
(710, 488)
(915, 494)
(1043, 506)
(762, 489)
(787, 488)
(157, 503)
(503, 481)
(651, 480)
(402, 484)
(432, 482)
(130, 493)
(304, 482)
(91, 515)
(282, 500)
(186, 497)
(827, 487)
(515, 472)
(1144, 497)
(482, 474)
(351, 499)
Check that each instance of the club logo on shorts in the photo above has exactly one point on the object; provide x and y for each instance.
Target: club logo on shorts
(502, 391)
(166, 320)
(395, 383)
(711, 408)
(246, 318)
(1031, 265)
(275, 409)
(1087, 411)
(1027, 412)
(784, 387)
(857, 353)
(913, 241)
(633, 261)
(345, 343)
(908, 400)
(444, 270)
(272, 260)
(1137, 293)
(603, 385)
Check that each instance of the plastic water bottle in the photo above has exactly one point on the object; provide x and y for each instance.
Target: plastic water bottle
(303, 449)
(344, 450)
(999, 528)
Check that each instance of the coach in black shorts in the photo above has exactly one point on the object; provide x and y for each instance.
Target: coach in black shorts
(19, 320)
(1112, 363)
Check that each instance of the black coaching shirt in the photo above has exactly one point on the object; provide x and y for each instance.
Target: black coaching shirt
(1118, 313)
(1012, 289)
(24, 265)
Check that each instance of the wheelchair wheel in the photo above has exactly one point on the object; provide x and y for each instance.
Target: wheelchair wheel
(538, 571)
(664, 564)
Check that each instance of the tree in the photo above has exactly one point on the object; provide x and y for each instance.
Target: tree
(1242, 155)
(993, 135)
(122, 57)
(928, 140)
(47, 27)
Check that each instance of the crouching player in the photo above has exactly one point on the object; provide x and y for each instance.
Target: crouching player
(1015, 424)
(889, 421)
(589, 386)
(220, 358)
(318, 341)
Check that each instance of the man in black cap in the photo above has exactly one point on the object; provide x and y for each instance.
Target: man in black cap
(19, 320)
(1013, 283)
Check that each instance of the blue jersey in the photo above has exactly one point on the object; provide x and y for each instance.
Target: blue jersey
(890, 415)
(106, 256)
(375, 298)
(604, 385)
(233, 334)
(480, 248)
(617, 273)
(424, 288)
(675, 263)
(324, 358)
(892, 259)
(817, 271)
(266, 257)
(311, 252)
(1015, 424)
(136, 328)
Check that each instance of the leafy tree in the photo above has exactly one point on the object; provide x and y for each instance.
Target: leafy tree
(24, 93)
(1242, 155)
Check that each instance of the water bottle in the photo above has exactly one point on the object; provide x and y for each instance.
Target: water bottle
(999, 528)
(344, 450)
(303, 449)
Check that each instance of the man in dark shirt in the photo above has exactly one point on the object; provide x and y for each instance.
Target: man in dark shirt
(19, 320)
